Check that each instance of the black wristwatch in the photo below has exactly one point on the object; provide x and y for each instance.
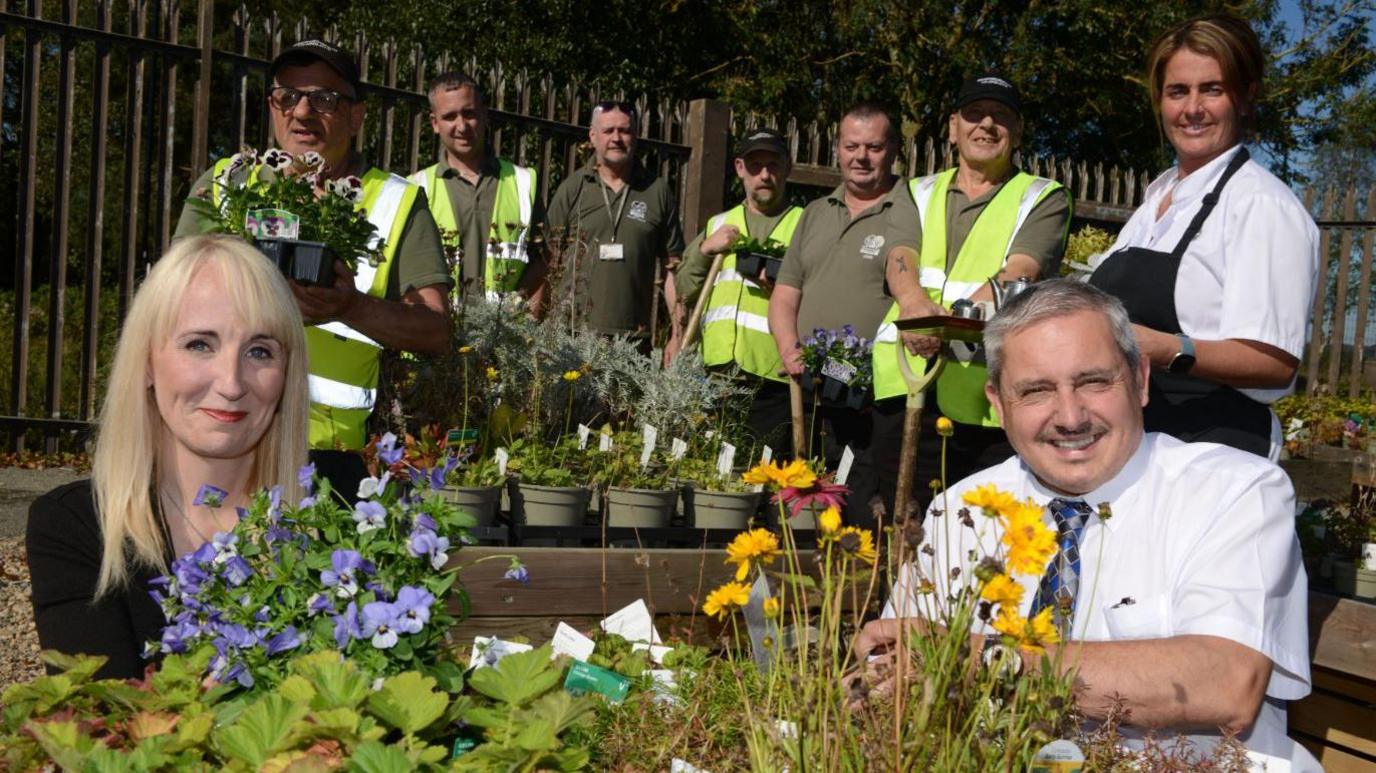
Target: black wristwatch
(1183, 360)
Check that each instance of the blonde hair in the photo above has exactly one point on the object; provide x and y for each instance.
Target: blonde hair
(124, 464)
(1226, 39)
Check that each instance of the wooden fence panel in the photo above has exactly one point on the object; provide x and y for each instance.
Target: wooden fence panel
(1335, 337)
(1316, 338)
(1364, 292)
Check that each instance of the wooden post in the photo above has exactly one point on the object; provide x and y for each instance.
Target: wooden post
(200, 113)
(709, 134)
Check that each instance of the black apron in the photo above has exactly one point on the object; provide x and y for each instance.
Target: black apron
(1188, 407)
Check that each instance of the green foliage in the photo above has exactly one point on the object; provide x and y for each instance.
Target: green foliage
(770, 247)
(523, 716)
(540, 464)
(1083, 244)
(1325, 419)
(615, 653)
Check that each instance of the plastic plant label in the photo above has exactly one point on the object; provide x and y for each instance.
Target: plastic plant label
(1060, 756)
(503, 456)
(843, 469)
(568, 641)
(677, 449)
(584, 678)
(683, 766)
(632, 623)
(604, 442)
(462, 745)
(272, 224)
(458, 437)
(840, 371)
(584, 431)
(487, 650)
(648, 436)
(766, 455)
(726, 459)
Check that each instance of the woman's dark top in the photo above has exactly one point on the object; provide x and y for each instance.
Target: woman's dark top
(65, 546)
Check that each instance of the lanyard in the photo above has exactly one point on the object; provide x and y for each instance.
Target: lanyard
(615, 218)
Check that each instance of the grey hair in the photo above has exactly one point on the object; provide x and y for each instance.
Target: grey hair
(1049, 300)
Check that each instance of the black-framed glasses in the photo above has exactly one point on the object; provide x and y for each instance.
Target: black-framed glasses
(321, 100)
(617, 105)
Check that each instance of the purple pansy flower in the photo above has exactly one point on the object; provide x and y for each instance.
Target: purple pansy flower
(387, 450)
(370, 516)
(175, 637)
(346, 626)
(424, 543)
(305, 477)
(205, 554)
(306, 501)
(224, 544)
(237, 571)
(370, 487)
(412, 608)
(210, 496)
(239, 673)
(440, 472)
(319, 602)
(380, 622)
(341, 577)
(286, 640)
(517, 571)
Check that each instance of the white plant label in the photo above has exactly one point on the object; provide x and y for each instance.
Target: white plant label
(726, 459)
(648, 436)
(502, 458)
(584, 431)
(604, 442)
(843, 469)
(766, 455)
(677, 449)
(840, 371)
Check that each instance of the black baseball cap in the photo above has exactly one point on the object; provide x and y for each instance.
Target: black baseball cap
(762, 139)
(338, 59)
(989, 86)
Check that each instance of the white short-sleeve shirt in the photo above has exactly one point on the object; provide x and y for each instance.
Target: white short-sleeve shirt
(1201, 540)
(1251, 270)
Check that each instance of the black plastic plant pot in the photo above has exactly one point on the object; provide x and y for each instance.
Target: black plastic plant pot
(308, 263)
(857, 397)
(833, 389)
(748, 264)
(771, 268)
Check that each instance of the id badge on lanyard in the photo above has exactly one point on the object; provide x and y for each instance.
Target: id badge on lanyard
(613, 250)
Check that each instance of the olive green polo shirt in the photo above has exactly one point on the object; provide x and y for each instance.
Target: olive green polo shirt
(472, 203)
(838, 263)
(419, 256)
(692, 271)
(1041, 237)
(613, 295)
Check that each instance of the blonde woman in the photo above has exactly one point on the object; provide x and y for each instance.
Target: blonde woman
(207, 388)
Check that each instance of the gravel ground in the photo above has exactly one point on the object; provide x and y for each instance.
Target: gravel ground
(18, 640)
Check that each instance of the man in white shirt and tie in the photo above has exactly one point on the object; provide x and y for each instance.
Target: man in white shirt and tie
(1189, 602)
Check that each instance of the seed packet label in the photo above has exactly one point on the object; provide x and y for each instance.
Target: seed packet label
(488, 650)
(843, 469)
(503, 456)
(584, 432)
(648, 436)
(584, 678)
(677, 449)
(840, 371)
(766, 455)
(568, 641)
(604, 442)
(272, 224)
(632, 623)
(726, 459)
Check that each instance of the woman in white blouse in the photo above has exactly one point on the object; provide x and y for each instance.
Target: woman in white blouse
(1217, 267)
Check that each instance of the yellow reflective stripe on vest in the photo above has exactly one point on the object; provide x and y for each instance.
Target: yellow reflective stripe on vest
(735, 323)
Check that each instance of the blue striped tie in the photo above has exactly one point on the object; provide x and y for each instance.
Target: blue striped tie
(1061, 582)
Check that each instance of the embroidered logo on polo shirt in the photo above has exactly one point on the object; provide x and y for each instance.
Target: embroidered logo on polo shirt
(869, 249)
(637, 211)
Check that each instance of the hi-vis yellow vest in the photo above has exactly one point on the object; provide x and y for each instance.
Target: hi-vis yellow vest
(960, 388)
(506, 259)
(343, 364)
(735, 323)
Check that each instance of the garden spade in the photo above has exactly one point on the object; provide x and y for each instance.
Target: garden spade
(759, 626)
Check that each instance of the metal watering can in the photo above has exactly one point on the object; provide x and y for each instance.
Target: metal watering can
(1007, 291)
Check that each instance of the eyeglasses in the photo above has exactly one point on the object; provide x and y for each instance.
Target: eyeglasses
(285, 98)
(620, 107)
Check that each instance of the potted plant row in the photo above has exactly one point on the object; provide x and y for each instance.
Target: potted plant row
(638, 494)
(714, 501)
(551, 482)
(476, 487)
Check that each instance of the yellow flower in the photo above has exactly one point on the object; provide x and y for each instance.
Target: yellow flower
(572, 375)
(771, 607)
(465, 349)
(945, 427)
(1030, 543)
(758, 546)
(857, 543)
(795, 474)
(722, 601)
(830, 520)
(1032, 635)
(989, 498)
(491, 373)
(1002, 590)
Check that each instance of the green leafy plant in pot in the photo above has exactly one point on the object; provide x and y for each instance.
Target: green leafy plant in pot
(552, 481)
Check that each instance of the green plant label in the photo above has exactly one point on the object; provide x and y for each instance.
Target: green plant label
(463, 745)
(584, 678)
(455, 437)
(272, 224)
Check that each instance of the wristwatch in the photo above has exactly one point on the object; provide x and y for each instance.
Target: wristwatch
(1183, 360)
